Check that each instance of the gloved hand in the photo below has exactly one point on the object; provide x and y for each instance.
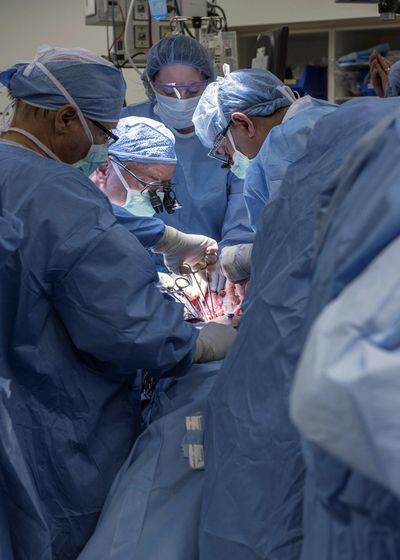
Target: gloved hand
(235, 262)
(178, 247)
(213, 342)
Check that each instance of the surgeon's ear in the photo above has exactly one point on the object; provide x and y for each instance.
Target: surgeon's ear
(65, 118)
(243, 120)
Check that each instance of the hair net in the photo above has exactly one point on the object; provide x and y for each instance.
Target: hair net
(177, 49)
(96, 85)
(252, 91)
(143, 140)
(393, 86)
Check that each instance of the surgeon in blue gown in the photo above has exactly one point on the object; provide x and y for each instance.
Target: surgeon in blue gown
(80, 309)
(351, 512)
(253, 494)
(141, 162)
(255, 124)
(177, 72)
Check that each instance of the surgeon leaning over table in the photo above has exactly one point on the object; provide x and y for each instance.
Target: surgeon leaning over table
(80, 311)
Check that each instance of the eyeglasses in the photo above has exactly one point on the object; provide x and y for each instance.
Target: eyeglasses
(181, 90)
(145, 184)
(218, 151)
(170, 202)
(112, 138)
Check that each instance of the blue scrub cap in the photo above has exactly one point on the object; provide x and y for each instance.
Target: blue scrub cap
(143, 140)
(255, 92)
(393, 86)
(96, 85)
(177, 49)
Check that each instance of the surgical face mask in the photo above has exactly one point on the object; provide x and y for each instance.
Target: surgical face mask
(96, 155)
(136, 203)
(176, 113)
(240, 161)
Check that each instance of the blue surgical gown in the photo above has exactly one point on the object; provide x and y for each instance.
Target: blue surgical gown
(211, 197)
(348, 374)
(80, 313)
(348, 515)
(284, 145)
(148, 230)
(253, 495)
(152, 510)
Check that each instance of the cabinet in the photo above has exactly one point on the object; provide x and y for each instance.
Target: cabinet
(322, 43)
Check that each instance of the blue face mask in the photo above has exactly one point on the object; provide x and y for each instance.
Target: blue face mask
(96, 155)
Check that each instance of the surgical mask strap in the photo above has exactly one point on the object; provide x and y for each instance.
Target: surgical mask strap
(230, 136)
(120, 176)
(7, 116)
(36, 141)
(62, 89)
(287, 92)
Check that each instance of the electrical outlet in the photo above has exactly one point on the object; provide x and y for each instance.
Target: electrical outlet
(141, 37)
(141, 10)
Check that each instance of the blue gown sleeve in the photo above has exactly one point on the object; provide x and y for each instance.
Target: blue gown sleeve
(148, 230)
(104, 288)
(236, 227)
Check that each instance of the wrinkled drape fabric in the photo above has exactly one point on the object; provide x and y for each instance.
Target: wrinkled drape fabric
(357, 517)
(152, 511)
(348, 374)
(252, 503)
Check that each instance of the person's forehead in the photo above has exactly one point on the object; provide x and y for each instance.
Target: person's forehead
(159, 169)
(179, 74)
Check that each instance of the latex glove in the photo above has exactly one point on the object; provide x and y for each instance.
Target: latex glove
(379, 68)
(178, 247)
(235, 262)
(213, 342)
(217, 281)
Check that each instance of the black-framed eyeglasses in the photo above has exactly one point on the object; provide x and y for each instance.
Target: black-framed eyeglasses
(112, 138)
(217, 151)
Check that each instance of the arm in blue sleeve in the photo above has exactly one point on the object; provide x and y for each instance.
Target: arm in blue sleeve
(236, 227)
(114, 312)
(148, 230)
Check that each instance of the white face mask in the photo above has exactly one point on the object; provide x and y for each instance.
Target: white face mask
(136, 203)
(176, 113)
(241, 162)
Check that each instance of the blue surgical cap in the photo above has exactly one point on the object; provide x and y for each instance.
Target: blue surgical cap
(393, 85)
(254, 92)
(97, 86)
(177, 49)
(143, 140)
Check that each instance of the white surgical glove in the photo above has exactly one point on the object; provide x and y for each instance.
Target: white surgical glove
(235, 262)
(213, 342)
(195, 250)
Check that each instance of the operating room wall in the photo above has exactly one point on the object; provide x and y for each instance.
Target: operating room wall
(256, 12)
(26, 24)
